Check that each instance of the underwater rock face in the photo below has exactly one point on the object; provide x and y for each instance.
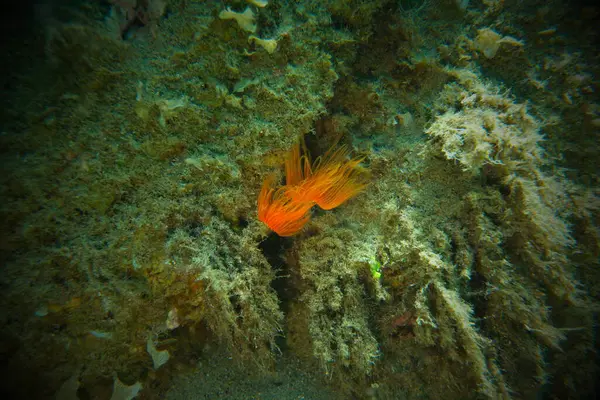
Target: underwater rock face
(317, 199)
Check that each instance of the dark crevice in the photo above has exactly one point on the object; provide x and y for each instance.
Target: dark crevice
(274, 248)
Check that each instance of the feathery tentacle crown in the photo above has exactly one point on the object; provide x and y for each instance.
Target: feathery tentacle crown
(328, 182)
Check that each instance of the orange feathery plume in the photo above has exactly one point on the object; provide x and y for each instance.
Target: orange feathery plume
(329, 182)
(279, 212)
